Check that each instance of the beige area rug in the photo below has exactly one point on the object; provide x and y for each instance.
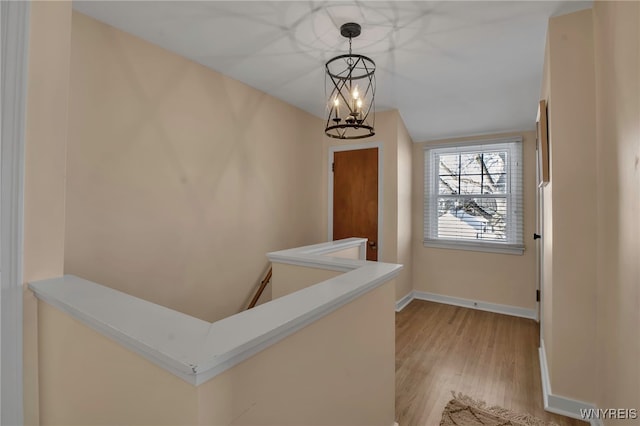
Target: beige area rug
(465, 411)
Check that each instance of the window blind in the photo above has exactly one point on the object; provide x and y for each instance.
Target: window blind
(473, 196)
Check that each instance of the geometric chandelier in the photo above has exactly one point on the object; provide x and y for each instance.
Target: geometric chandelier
(351, 90)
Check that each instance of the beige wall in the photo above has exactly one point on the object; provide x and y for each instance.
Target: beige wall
(404, 282)
(45, 147)
(335, 371)
(591, 271)
(570, 234)
(181, 179)
(617, 54)
(87, 379)
(489, 277)
(291, 278)
(348, 253)
(391, 135)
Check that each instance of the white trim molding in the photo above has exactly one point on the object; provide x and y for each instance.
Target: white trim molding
(404, 301)
(473, 246)
(15, 44)
(319, 255)
(353, 147)
(514, 311)
(559, 404)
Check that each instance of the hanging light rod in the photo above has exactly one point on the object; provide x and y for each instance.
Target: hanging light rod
(350, 83)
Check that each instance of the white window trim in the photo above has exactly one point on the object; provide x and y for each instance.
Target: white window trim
(515, 222)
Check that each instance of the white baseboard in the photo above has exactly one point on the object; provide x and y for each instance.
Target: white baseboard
(559, 404)
(474, 304)
(402, 303)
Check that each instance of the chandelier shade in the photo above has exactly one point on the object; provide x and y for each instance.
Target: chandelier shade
(350, 86)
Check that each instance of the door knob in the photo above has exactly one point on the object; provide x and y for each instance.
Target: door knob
(373, 245)
(537, 236)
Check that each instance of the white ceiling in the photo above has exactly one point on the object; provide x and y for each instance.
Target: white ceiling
(452, 68)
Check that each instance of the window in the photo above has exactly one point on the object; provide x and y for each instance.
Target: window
(473, 196)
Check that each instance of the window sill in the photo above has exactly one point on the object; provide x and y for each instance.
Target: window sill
(485, 247)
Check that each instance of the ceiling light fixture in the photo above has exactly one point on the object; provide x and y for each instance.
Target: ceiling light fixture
(351, 85)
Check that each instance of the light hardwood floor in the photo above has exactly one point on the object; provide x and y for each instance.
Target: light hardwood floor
(490, 357)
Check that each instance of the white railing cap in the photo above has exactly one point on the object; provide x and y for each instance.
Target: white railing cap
(197, 350)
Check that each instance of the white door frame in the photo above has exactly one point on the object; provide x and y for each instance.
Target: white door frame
(539, 243)
(540, 253)
(340, 148)
(15, 48)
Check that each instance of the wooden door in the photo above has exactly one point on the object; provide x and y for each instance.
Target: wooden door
(355, 197)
